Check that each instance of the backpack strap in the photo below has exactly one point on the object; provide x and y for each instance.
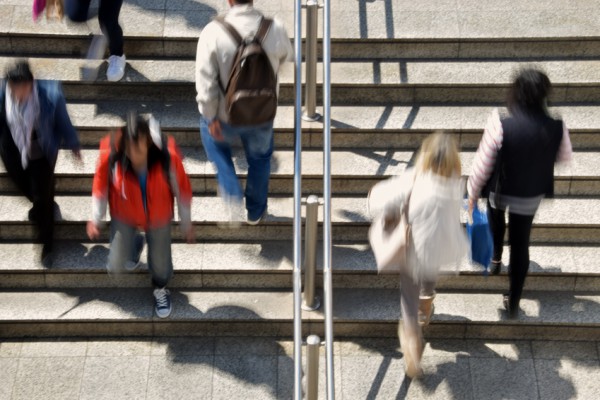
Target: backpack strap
(229, 28)
(263, 29)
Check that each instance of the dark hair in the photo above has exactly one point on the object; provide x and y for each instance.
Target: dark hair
(529, 91)
(19, 73)
(243, 1)
(136, 127)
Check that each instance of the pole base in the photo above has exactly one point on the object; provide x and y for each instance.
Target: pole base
(311, 118)
(316, 305)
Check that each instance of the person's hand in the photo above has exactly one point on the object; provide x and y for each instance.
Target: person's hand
(190, 235)
(215, 130)
(77, 155)
(472, 205)
(93, 231)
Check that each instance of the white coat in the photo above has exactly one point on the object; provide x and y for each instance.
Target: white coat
(439, 241)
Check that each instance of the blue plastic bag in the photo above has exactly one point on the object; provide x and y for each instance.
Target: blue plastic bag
(480, 236)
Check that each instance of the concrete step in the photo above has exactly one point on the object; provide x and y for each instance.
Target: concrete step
(364, 29)
(354, 172)
(558, 221)
(357, 312)
(364, 126)
(269, 265)
(404, 82)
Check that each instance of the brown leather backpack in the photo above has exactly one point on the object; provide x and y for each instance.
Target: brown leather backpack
(251, 92)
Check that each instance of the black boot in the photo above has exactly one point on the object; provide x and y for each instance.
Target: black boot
(496, 266)
(513, 310)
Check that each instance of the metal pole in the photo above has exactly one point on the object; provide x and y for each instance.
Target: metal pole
(311, 301)
(297, 274)
(327, 278)
(312, 24)
(313, 344)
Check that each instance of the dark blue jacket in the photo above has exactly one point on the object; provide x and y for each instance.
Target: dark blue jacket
(54, 129)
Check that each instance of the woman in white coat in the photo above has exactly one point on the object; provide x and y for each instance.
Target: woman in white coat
(438, 240)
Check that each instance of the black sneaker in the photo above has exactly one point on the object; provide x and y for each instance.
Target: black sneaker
(162, 302)
(496, 266)
(31, 215)
(57, 212)
(512, 314)
(47, 256)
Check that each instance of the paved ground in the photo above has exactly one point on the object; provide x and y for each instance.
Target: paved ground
(383, 19)
(262, 368)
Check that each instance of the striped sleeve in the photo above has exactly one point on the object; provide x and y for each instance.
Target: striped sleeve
(565, 151)
(485, 158)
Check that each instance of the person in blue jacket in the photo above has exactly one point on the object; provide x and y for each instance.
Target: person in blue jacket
(34, 123)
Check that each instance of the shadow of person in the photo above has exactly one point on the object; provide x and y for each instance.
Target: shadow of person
(573, 308)
(261, 362)
(496, 369)
(73, 255)
(195, 13)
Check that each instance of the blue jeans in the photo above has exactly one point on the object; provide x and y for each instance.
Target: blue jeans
(258, 146)
(122, 249)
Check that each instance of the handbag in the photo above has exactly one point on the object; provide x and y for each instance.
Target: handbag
(480, 237)
(38, 8)
(390, 238)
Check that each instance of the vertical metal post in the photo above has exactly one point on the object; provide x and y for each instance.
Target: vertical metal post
(310, 99)
(327, 241)
(310, 300)
(297, 275)
(313, 344)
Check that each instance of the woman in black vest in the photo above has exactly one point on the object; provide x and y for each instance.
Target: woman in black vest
(514, 168)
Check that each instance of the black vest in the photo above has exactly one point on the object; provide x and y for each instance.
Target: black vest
(529, 149)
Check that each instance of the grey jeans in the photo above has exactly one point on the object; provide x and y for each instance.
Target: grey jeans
(122, 249)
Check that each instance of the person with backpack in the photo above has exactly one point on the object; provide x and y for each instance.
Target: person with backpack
(514, 169)
(34, 123)
(237, 63)
(138, 174)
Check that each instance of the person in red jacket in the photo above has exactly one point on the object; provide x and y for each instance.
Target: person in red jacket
(139, 173)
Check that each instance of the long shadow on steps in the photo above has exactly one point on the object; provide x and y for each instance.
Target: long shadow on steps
(262, 362)
(196, 13)
(500, 370)
(462, 369)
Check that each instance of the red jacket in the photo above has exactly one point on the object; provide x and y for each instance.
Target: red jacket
(123, 193)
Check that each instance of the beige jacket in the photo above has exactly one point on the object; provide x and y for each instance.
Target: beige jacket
(216, 50)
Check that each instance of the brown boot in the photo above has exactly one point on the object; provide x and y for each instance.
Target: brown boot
(425, 309)
(412, 350)
(55, 9)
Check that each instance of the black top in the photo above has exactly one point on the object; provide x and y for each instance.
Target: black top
(529, 149)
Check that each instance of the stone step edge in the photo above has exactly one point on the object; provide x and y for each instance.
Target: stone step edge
(336, 40)
(278, 280)
(253, 324)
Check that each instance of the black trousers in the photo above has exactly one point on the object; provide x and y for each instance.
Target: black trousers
(519, 232)
(108, 16)
(36, 182)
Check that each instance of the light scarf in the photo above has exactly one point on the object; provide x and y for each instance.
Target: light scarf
(21, 119)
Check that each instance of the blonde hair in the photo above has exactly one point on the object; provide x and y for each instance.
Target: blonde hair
(439, 154)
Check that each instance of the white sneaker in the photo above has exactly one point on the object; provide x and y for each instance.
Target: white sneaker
(162, 302)
(116, 68)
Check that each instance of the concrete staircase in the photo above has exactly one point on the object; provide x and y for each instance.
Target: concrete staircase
(394, 82)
